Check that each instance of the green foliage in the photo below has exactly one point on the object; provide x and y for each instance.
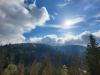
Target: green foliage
(11, 70)
(93, 57)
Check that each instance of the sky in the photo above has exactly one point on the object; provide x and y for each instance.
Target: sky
(53, 22)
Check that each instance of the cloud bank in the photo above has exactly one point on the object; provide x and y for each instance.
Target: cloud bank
(81, 39)
(15, 20)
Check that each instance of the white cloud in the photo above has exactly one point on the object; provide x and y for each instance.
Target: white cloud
(51, 39)
(97, 34)
(65, 3)
(81, 39)
(35, 39)
(15, 20)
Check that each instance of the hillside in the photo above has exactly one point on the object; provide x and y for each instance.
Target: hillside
(27, 53)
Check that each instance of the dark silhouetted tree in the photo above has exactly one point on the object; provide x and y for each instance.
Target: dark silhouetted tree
(93, 57)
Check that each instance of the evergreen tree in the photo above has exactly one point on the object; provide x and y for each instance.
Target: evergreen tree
(93, 57)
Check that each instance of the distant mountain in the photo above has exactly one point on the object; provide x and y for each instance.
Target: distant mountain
(72, 53)
(72, 49)
(27, 53)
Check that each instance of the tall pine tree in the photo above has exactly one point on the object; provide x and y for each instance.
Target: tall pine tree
(93, 57)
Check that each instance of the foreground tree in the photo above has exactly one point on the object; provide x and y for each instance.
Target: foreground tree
(10, 70)
(93, 57)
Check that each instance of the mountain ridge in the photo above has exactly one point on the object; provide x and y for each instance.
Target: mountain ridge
(30, 52)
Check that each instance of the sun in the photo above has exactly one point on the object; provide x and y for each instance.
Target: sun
(68, 24)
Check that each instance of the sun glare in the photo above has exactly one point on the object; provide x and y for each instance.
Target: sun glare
(69, 23)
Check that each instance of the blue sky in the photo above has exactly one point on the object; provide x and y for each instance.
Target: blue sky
(60, 10)
(49, 21)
